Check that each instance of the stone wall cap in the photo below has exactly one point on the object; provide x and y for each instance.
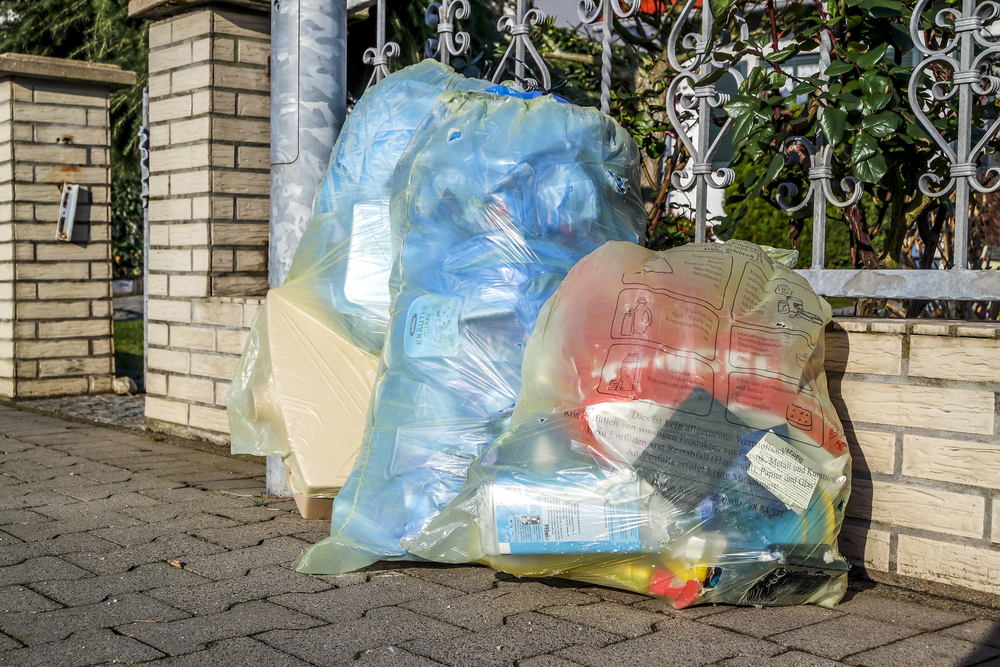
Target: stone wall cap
(161, 9)
(917, 327)
(61, 69)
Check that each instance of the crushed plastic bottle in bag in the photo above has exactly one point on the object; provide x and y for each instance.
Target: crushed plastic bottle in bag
(673, 436)
(494, 201)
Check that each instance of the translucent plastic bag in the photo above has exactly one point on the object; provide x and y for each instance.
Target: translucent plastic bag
(495, 200)
(302, 387)
(346, 252)
(674, 436)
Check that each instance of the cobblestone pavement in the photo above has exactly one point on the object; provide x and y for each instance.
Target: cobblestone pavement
(118, 547)
(127, 411)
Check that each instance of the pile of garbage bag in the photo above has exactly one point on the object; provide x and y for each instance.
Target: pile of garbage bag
(674, 436)
(474, 358)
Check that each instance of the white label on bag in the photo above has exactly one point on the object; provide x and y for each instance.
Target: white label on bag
(432, 327)
(566, 519)
(369, 257)
(779, 469)
(627, 428)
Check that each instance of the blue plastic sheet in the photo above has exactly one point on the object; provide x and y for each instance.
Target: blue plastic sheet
(495, 199)
(346, 253)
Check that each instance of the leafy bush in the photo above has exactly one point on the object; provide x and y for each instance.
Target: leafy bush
(765, 224)
(126, 227)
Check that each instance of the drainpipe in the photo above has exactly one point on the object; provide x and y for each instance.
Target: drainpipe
(144, 197)
(308, 107)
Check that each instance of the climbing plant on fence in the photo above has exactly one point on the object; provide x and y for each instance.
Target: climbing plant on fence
(866, 117)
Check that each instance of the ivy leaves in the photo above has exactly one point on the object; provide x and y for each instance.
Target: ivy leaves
(881, 125)
(638, 113)
(857, 104)
(866, 159)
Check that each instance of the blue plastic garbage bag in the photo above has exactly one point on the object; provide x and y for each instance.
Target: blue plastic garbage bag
(495, 199)
(302, 387)
(347, 246)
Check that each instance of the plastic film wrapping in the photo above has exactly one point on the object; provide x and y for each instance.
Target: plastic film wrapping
(302, 387)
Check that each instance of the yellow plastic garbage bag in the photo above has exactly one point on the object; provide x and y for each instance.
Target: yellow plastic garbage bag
(494, 201)
(673, 435)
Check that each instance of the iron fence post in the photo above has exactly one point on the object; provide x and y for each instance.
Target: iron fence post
(591, 13)
(819, 172)
(519, 27)
(144, 197)
(448, 42)
(969, 82)
(380, 54)
(702, 99)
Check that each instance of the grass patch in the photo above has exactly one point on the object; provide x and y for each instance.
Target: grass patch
(837, 303)
(128, 345)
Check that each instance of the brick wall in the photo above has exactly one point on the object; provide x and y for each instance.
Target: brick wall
(195, 345)
(210, 177)
(55, 296)
(919, 402)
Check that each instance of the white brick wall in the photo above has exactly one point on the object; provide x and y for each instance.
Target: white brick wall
(55, 132)
(918, 400)
(208, 209)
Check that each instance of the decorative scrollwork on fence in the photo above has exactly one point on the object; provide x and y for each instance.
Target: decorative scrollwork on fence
(820, 175)
(448, 43)
(701, 100)
(605, 12)
(819, 172)
(519, 27)
(380, 54)
(971, 81)
(144, 150)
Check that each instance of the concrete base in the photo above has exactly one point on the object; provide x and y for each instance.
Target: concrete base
(277, 480)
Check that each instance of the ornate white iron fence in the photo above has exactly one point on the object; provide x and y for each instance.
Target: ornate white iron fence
(967, 54)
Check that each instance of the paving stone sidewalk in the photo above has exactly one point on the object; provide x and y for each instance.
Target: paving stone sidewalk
(116, 547)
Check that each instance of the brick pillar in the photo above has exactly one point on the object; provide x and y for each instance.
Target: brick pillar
(55, 296)
(208, 210)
